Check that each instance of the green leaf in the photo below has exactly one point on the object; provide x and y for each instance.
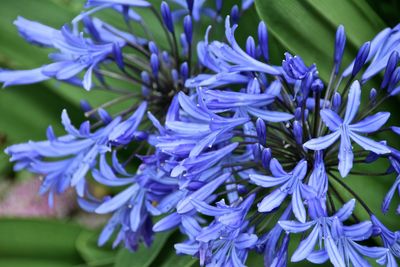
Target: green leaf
(86, 244)
(18, 262)
(38, 239)
(308, 27)
(144, 256)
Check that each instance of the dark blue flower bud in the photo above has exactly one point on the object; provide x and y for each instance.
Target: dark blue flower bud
(266, 156)
(188, 28)
(184, 71)
(235, 14)
(190, 5)
(85, 106)
(394, 79)
(361, 57)
(297, 113)
(251, 47)
(175, 76)
(372, 95)
(167, 18)
(317, 85)
(298, 132)
(154, 64)
(184, 43)
(146, 79)
(166, 58)
(257, 149)
(340, 43)
(263, 40)
(153, 48)
(336, 101)
(261, 131)
(218, 6)
(104, 116)
(391, 65)
(118, 56)
(194, 185)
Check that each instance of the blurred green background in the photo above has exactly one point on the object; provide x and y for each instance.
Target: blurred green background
(67, 237)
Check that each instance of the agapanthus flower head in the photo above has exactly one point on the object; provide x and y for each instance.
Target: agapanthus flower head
(242, 155)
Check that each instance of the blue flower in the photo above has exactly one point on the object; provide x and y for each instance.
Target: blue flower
(289, 184)
(252, 102)
(396, 185)
(227, 240)
(234, 57)
(382, 46)
(346, 130)
(391, 240)
(73, 155)
(321, 232)
(276, 252)
(76, 54)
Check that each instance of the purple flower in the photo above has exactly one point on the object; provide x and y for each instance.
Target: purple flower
(346, 130)
(75, 55)
(391, 241)
(289, 184)
(74, 154)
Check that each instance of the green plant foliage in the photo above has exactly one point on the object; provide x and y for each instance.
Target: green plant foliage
(144, 256)
(93, 255)
(38, 241)
(308, 27)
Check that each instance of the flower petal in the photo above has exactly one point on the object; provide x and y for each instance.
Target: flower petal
(272, 201)
(294, 226)
(322, 142)
(369, 144)
(306, 246)
(371, 123)
(331, 119)
(298, 205)
(345, 154)
(353, 102)
(267, 181)
(344, 212)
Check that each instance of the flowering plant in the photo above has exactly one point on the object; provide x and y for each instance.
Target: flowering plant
(238, 154)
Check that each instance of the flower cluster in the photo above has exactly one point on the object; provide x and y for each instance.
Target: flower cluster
(242, 155)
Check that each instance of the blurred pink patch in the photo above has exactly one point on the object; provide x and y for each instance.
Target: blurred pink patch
(22, 200)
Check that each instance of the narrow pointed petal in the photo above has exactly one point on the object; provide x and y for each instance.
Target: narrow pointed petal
(333, 252)
(358, 232)
(117, 201)
(353, 102)
(322, 142)
(272, 201)
(345, 154)
(369, 144)
(294, 226)
(318, 257)
(298, 205)
(271, 116)
(331, 119)
(201, 194)
(267, 181)
(306, 246)
(344, 212)
(371, 123)
(276, 168)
